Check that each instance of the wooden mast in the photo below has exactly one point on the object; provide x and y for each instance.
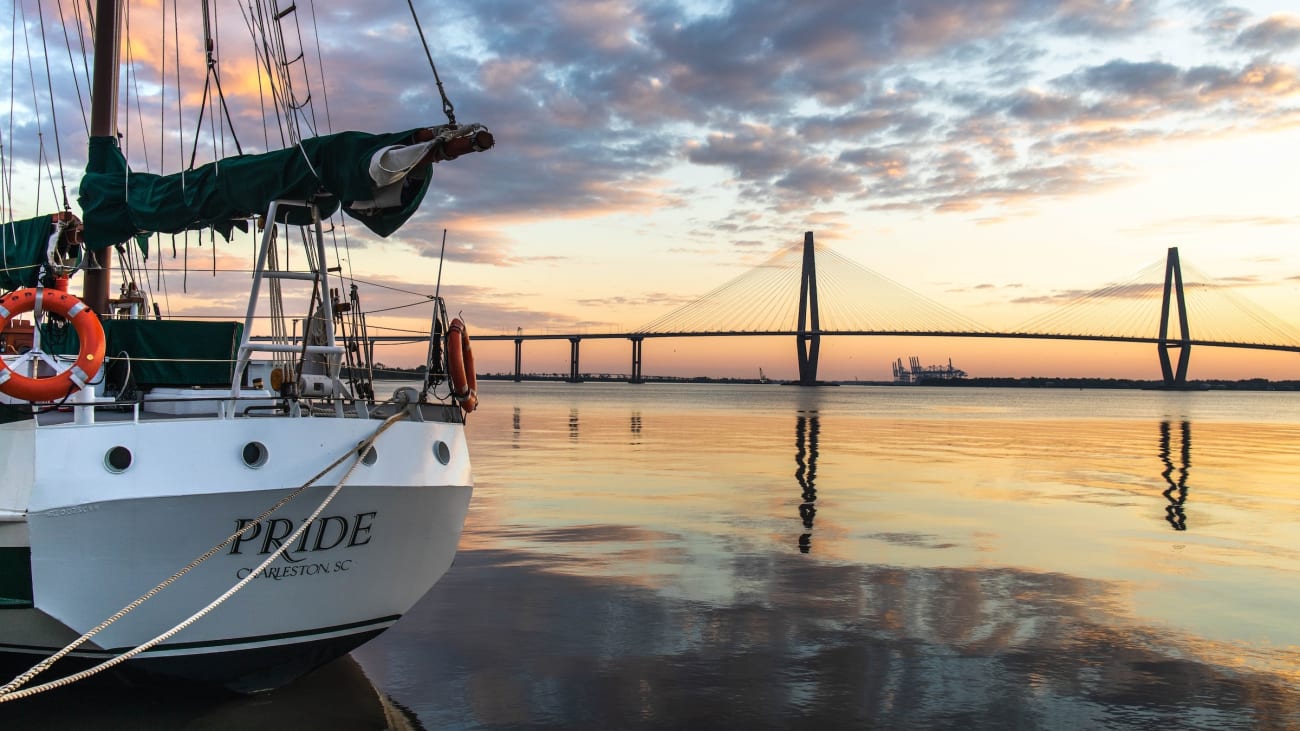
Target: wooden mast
(103, 123)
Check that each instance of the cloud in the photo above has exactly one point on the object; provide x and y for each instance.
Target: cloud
(1147, 290)
(604, 108)
(1106, 18)
(854, 125)
(1146, 87)
(1195, 224)
(650, 299)
(1279, 32)
(1035, 105)
(1222, 24)
(1141, 79)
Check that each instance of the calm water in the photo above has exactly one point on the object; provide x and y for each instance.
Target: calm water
(697, 556)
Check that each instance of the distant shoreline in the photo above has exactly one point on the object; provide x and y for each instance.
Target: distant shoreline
(1251, 384)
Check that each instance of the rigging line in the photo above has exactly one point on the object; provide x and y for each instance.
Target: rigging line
(447, 107)
(396, 289)
(320, 62)
(13, 87)
(396, 307)
(54, 117)
(139, 108)
(329, 126)
(306, 76)
(72, 65)
(123, 100)
(281, 87)
(36, 111)
(180, 112)
(144, 266)
(53, 113)
(275, 72)
(421, 333)
(216, 77)
(212, 77)
(290, 108)
(5, 188)
(216, 154)
(198, 130)
(261, 89)
(162, 99)
(252, 22)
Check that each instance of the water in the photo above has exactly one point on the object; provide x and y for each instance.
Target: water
(776, 557)
(699, 556)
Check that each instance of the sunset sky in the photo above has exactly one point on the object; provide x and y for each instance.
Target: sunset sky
(995, 156)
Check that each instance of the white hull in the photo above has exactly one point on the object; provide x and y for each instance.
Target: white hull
(99, 538)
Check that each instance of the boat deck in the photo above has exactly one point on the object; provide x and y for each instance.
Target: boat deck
(254, 408)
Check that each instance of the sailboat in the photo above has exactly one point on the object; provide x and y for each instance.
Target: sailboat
(201, 501)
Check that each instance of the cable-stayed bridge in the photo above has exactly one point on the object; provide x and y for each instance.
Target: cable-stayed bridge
(809, 292)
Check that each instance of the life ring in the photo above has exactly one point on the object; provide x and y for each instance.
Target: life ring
(89, 331)
(460, 363)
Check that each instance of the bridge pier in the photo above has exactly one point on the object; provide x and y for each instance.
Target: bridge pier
(637, 342)
(1174, 291)
(809, 339)
(573, 360)
(519, 359)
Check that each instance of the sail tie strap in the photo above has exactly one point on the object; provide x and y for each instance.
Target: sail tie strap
(11, 690)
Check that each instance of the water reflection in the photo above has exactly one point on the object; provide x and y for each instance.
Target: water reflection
(515, 428)
(829, 646)
(988, 560)
(337, 696)
(1176, 493)
(806, 427)
(573, 423)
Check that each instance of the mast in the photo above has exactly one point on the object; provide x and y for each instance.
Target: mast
(103, 123)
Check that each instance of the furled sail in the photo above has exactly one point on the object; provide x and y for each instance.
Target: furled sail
(379, 179)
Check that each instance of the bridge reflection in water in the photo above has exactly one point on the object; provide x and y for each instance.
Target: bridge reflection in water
(1176, 492)
(806, 427)
(978, 558)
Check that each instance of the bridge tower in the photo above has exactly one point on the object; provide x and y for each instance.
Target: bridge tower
(1174, 291)
(809, 338)
(637, 342)
(574, 375)
(519, 354)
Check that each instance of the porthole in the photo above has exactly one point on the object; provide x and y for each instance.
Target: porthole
(117, 459)
(442, 452)
(370, 456)
(255, 454)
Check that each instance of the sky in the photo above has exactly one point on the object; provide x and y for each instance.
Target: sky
(995, 156)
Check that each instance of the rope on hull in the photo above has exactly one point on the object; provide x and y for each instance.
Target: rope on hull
(14, 690)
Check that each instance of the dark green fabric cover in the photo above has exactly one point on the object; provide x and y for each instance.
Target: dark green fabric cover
(24, 244)
(161, 352)
(175, 352)
(117, 204)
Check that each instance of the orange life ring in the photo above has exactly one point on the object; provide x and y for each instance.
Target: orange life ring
(460, 361)
(89, 331)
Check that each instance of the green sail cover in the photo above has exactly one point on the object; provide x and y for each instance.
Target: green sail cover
(117, 204)
(22, 251)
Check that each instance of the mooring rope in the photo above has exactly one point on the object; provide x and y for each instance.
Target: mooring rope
(11, 690)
